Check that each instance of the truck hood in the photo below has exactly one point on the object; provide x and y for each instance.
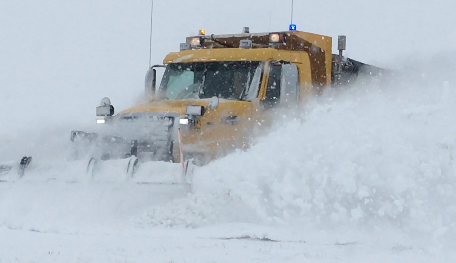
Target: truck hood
(176, 106)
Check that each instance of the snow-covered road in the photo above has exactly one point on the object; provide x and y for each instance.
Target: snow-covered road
(191, 246)
(61, 222)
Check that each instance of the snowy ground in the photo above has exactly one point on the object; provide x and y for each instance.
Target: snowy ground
(364, 174)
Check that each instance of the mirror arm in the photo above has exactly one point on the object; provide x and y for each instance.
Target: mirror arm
(213, 103)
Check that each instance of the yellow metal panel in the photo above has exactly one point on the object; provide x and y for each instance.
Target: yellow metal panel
(178, 106)
(305, 77)
(285, 55)
(323, 42)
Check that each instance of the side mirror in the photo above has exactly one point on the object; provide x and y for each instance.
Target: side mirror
(151, 79)
(105, 108)
(213, 103)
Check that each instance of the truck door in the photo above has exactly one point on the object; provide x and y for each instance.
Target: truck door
(283, 85)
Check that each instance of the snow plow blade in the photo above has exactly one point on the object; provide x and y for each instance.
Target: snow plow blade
(132, 170)
(102, 158)
(44, 171)
(114, 158)
(128, 170)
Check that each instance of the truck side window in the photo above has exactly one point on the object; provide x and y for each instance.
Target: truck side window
(273, 88)
(289, 84)
(251, 92)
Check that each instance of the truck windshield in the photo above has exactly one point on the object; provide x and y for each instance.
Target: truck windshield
(239, 80)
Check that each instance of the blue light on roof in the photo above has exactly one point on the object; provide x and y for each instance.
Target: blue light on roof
(292, 27)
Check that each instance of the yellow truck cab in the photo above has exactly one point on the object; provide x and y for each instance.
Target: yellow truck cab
(218, 89)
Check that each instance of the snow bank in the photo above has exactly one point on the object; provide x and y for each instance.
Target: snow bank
(371, 157)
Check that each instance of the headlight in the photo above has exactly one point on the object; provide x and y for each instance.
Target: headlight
(194, 41)
(277, 38)
(101, 121)
(274, 38)
(188, 122)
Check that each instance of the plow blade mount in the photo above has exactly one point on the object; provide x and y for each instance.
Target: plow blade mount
(108, 147)
(103, 147)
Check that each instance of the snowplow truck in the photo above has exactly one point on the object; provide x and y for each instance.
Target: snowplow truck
(216, 91)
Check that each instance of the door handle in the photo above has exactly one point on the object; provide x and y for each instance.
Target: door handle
(230, 120)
